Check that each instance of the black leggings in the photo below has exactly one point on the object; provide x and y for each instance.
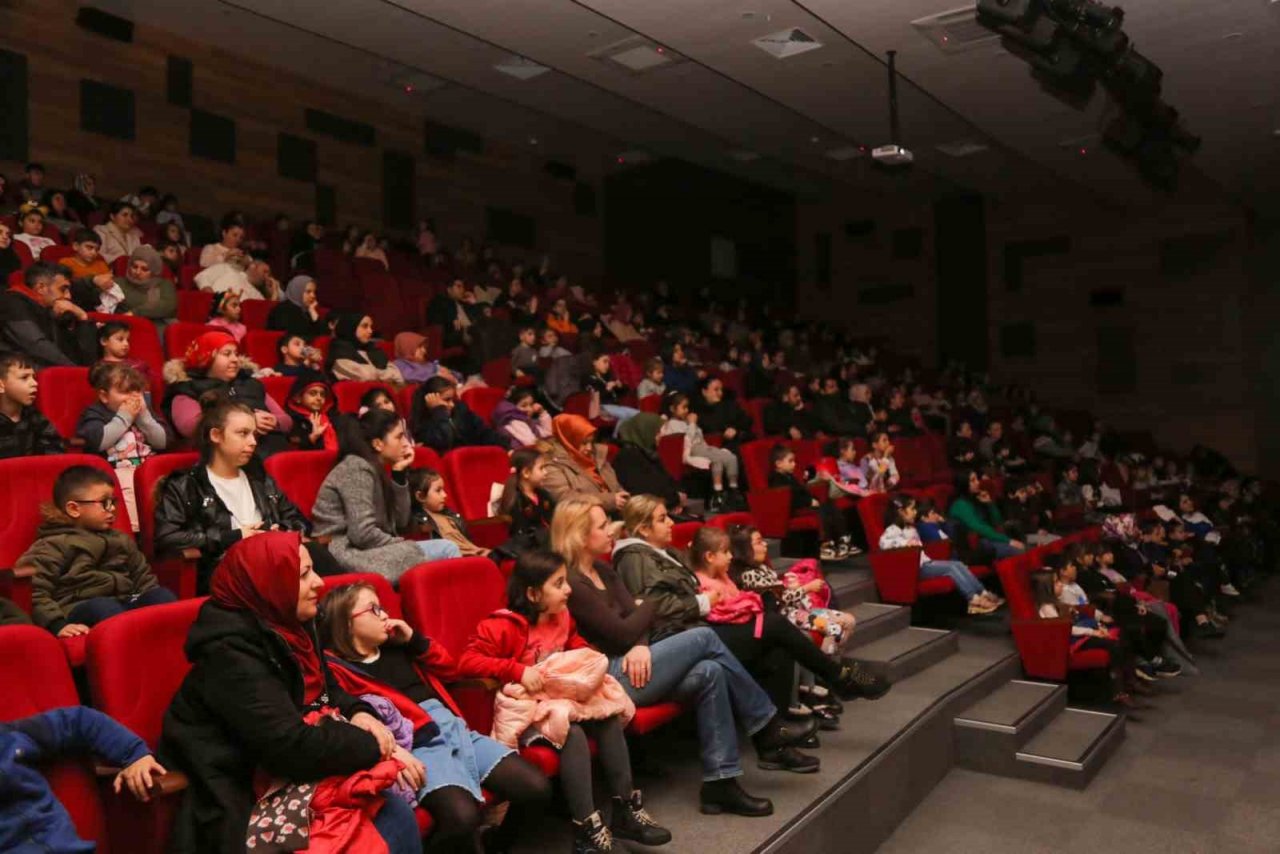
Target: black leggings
(457, 814)
(770, 657)
(575, 764)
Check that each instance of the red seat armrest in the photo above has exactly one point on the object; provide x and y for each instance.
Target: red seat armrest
(938, 550)
(897, 573)
(15, 584)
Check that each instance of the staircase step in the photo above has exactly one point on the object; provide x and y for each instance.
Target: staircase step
(851, 586)
(906, 652)
(1071, 748)
(990, 732)
(875, 621)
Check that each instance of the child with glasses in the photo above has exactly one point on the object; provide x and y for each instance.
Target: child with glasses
(86, 569)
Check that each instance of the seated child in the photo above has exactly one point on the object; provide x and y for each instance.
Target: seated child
(312, 406)
(24, 431)
(835, 542)
(31, 818)
(1138, 614)
(296, 356)
(551, 348)
(652, 383)
(85, 569)
(224, 313)
(411, 359)
(609, 389)
(432, 515)
(378, 398)
(524, 357)
(525, 502)
(87, 261)
(722, 463)
(879, 470)
(1087, 632)
(514, 645)
(114, 340)
(31, 230)
(798, 602)
(121, 425)
(847, 479)
(931, 524)
(520, 418)
(900, 532)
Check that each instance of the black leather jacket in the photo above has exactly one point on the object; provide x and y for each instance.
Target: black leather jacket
(190, 515)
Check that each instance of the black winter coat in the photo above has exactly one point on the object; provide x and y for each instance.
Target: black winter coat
(240, 708)
(28, 327)
(780, 417)
(190, 515)
(442, 431)
(287, 317)
(641, 473)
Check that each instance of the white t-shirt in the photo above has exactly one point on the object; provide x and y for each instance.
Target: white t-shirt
(237, 496)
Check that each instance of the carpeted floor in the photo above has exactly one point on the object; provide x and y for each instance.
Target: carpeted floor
(1199, 771)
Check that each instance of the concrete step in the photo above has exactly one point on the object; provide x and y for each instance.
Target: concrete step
(852, 586)
(990, 732)
(1071, 748)
(875, 621)
(906, 652)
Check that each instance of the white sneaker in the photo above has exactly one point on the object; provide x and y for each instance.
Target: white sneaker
(1229, 589)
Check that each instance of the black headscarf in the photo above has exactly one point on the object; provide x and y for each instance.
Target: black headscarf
(346, 346)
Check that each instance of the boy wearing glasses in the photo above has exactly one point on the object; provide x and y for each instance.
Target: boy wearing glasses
(86, 569)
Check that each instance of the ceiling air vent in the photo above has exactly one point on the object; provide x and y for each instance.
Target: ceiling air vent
(637, 55)
(962, 147)
(848, 152)
(521, 68)
(955, 31)
(785, 44)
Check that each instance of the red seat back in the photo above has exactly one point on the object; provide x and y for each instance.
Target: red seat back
(446, 600)
(253, 312)
(36, 678)
(54, 254)
(178, 336)
(871, 510)
(259, 345)
(469, 475)
(387, 596)
(26, 483)
(682, 534)
(651, 403)
(194, 306)
(912, 458)
(146, 482)
(755, 459)
(578, 403)
(497, 372)
(137, 696)
(300, 474)
(755, 408)
(62, 395)
(671, 452)
(727, 520)
(481, 400)
(277, 388)
(349, 392)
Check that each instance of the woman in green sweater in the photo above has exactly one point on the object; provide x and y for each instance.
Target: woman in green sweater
(973, 511)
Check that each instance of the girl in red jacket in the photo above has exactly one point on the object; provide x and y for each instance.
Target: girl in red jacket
(505, 646)
(372, 653)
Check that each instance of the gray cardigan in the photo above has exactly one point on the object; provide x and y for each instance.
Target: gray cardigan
(352, 510)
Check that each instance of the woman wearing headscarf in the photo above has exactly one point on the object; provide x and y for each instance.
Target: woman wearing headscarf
(213, 363)
(638, 465)
(354, 355)
(9, 260)
(259, 714)
(578, 466)
(412, 359)
(299, 312)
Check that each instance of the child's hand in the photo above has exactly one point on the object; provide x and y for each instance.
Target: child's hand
(532, 680)
(399, 631)
(140, 777)
(247, 531)
(414, 773)
(71, 630)
(790, 581)
(691, 418)
(434, 399)
(814, 586)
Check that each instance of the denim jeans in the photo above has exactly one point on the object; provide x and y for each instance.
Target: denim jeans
(695, 667)
(1003, 550)
(398, 827)
(438, 549)
(620, 413)
(90, 612)
(965, 581)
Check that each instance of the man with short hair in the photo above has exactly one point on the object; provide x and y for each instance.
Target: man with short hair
(38, 318)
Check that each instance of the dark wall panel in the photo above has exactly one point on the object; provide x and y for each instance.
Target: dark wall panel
(960, 231)
(295, 157)
(347, 130)
(13, 106)
(179, 77)
(397, 189)
(107, 110)
(326, 204)
(213, 137)
(444, 141)
(510, 228)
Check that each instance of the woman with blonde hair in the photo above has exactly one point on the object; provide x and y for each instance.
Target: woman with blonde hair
(691, 667)
(651, 570)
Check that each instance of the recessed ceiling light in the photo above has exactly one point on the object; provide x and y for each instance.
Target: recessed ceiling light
(533, 140)
(815, 139)
(521, 68)
(637, 55)
(785, 44)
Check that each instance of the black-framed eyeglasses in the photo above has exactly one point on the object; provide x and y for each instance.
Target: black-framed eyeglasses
(108, 504)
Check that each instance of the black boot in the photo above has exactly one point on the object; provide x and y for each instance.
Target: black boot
(787, 759)
(779, 733)
(716, 504)
(591, 836)
(631, 821)
(720, 796)
(856, 681)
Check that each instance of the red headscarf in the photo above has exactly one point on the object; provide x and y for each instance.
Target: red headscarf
(261, 575)
(200, 352)
(572, 431)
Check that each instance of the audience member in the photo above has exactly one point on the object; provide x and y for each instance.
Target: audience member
(442, 421)
(120, 236)
(520, 418)
(699, 454)
(577, 465)
(433, 516)
(312, 404)
(39, 319)
(24, 431)
(298, 312)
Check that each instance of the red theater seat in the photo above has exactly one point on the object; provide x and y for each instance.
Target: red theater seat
(300, 474)
(387, 596)
(349, 392)
(62, 395)
(482, 399)
(470, 474)
(177, 572)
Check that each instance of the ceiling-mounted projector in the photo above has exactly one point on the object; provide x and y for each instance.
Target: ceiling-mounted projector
(893, 154)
